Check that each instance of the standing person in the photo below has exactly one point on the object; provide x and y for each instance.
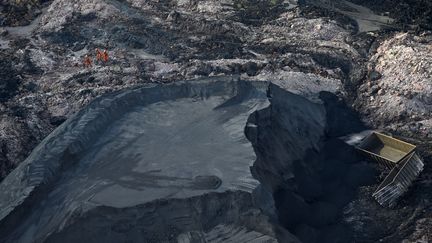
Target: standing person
(105, 57)
(98, 55)
(87, 61)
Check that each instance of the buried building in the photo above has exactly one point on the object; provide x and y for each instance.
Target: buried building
(397, 156)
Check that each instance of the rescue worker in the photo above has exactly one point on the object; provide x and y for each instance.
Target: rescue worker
(87, 61)
(105, 56)
(98, 54)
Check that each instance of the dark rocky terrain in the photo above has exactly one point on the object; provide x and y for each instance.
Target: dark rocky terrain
(378, 66)
(414, 13)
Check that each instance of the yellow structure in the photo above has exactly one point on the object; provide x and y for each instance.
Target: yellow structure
(397, 156)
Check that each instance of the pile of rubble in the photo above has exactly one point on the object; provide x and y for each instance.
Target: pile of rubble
(398, 94)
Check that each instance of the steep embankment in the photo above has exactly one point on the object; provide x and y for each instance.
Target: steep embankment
(310, 172)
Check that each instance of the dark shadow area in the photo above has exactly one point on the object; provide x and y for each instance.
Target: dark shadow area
(341, 119)
(310, 192)
(9, 81)
(257, 12)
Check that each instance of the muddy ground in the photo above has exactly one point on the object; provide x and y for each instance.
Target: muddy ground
(383, 69)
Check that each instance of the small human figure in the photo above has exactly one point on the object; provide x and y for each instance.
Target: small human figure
(87, 61)
(98, 54)
(105, 56)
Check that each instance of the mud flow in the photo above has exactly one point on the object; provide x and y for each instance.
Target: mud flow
(176, 163)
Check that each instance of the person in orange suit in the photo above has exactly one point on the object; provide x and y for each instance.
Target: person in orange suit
(99, 55)
(87, 61)
(105, 56)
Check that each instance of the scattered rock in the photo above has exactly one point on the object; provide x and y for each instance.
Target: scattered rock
(251, 68)
(374, 75)
(405, 64)
(3, 32)
(374, 89)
